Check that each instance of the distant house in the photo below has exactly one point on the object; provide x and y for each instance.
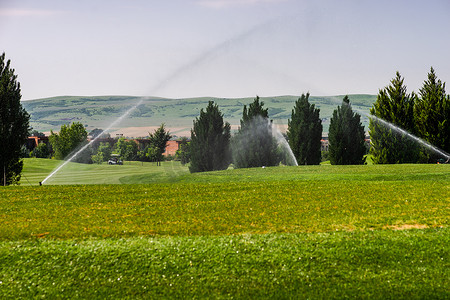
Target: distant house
(324, 144)
(172, 148)
(34, 141)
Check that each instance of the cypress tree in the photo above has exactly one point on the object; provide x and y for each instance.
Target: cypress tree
(346, 136)
(159, 140)
(395, 106)
(432, 115)
(305, 132)
(254, 144)
(14, 125)
(210, 141)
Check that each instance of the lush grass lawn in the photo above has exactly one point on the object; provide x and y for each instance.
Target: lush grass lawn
(220, 208)
(410, 264)
(36, 170)
(285, 232)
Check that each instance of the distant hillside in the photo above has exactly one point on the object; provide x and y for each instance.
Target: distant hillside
(178, 114)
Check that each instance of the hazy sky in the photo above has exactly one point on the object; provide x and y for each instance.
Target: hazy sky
(222, 48)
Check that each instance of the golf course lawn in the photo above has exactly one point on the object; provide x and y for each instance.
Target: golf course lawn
(378, 231)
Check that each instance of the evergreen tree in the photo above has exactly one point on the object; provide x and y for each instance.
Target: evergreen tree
(346, 136)
(305, 132)
(14, 125)
(69, 139)
(254, 144)
(210, 141)
(393, 105)
(158, 140)
(432, 114)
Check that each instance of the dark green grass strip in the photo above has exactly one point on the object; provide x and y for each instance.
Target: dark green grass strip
(412, 264)
(66, 212)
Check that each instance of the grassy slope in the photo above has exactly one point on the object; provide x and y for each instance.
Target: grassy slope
(36, 170)
(306, 232)
(50, 113)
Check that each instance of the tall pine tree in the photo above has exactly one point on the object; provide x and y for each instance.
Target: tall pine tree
(346, 136)
(396, 106)
(158, 140)
(432, 115)
(254, 144)
(210, 141)
(305, 132)
(14, 125)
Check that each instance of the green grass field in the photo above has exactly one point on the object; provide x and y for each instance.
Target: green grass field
(378, 231)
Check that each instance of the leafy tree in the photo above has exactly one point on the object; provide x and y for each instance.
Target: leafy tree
(103, 153)
(254, 144)
(14, 125)
(41, 151)
(305, 132)
(68, 140)
(184, 153)
(395, 106)
(432, 114)
(150, 153)
(127, 149)
(346, 136)
(158, 140)
(210, 141)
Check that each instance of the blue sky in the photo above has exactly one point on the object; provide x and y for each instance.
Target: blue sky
(222, 48)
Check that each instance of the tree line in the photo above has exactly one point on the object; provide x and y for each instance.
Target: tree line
(73, 137)
(212, 147)
(254, 145)
(425, 115)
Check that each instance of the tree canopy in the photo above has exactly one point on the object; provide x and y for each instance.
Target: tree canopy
(69, 139)
(254, 145)
(158, 140)
(396, 106)
(432, 114)
(210, 141)
(14, 124)
(346, 136)
(305, 132)
(127, 149)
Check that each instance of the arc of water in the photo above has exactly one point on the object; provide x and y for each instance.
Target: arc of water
(404, 132)
(112, 125)
(281, 140)
(174, 74)
(410, 136)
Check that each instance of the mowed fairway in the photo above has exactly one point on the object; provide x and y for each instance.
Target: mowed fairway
(285, 232)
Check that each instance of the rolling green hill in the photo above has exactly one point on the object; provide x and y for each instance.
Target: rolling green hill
(178, 114)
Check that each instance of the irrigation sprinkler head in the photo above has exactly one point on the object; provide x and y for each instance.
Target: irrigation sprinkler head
(40, 183)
